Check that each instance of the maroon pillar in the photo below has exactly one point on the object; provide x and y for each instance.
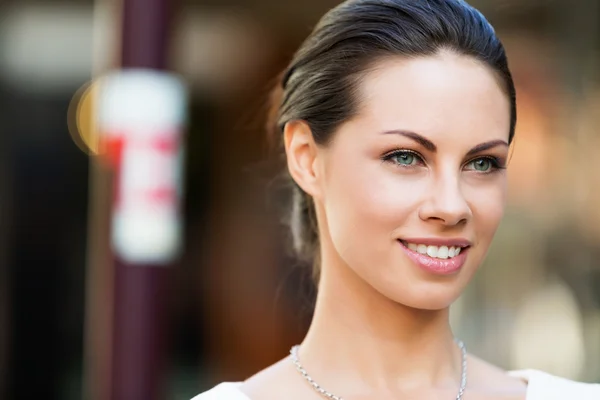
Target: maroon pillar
(145, 33)
(139, 362)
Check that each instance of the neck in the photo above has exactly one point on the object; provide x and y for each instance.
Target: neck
(379, 344)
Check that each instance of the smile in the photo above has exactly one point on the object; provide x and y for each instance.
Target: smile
(441, 252)
(439, 259)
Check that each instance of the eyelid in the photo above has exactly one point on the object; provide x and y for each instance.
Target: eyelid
(398, 151)
(497, 160)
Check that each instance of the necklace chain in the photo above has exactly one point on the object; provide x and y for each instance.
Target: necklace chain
(329, 395)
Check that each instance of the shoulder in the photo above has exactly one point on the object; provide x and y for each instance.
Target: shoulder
(273, 383)
(223, 391)
(544, 386)
(530, 384)
(278, 381)
(493, 381)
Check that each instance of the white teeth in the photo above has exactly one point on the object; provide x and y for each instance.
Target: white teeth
(451, 252)
(442, 252)
(432, 251)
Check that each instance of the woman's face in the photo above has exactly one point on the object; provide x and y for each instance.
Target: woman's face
(412, 189)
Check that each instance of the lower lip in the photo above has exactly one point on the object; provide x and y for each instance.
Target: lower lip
(437, 266)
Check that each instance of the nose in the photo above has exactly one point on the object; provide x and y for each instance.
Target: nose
(446, 203)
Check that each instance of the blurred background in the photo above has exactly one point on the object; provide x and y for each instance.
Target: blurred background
(235, 301)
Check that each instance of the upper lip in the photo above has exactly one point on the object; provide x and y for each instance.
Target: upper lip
(449, 242)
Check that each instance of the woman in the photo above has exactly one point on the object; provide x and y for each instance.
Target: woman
(396, 117)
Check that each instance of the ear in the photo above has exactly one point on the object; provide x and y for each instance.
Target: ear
(301, 151)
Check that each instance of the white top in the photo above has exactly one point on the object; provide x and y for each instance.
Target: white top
(541, 386)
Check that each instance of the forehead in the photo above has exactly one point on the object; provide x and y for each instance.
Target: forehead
(445, 95)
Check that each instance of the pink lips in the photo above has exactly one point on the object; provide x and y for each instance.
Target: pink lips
(437, 265)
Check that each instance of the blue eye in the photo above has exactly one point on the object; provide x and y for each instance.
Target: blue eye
(403, 158)
(483, 164)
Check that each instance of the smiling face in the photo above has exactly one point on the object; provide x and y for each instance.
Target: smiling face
(410, 191)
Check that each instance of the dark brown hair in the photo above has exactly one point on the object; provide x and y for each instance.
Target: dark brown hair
(320, 84)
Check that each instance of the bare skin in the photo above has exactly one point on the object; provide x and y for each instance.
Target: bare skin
(486, 382)
(424, 157)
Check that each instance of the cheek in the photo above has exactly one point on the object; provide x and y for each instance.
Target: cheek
(487, 203)
(367, 203)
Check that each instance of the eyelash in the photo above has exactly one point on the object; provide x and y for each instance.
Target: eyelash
(388, 157)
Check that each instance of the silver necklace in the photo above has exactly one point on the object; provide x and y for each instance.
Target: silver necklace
(329, 395)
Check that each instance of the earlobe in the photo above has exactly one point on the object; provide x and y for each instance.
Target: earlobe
(301, 152)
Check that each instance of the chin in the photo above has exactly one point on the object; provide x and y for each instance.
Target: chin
(430, 296)
(428, 304)
(436, 304)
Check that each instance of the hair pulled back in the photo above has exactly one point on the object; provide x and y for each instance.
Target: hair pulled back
(320, 84)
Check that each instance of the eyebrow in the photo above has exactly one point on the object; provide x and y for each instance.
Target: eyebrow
(429, 145)
(423, 141)
(486, 146)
